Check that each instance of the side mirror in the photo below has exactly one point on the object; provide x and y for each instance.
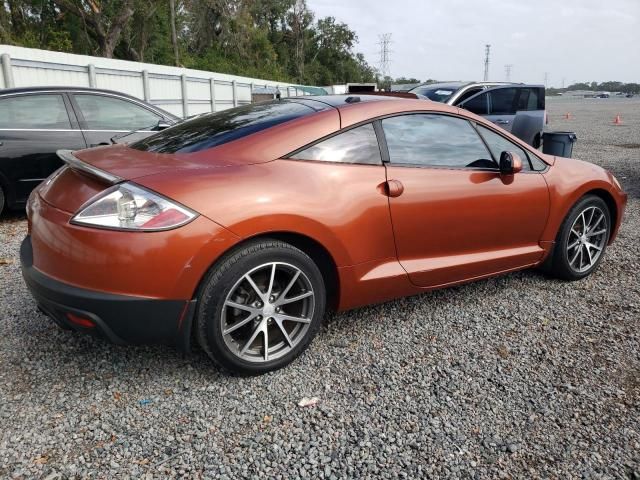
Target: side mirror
(510, 163)
(162, 124)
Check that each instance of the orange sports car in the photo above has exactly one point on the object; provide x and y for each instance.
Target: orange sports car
(241, 228)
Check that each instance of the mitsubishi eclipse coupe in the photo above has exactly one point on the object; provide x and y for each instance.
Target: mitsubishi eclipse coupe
(239, 229)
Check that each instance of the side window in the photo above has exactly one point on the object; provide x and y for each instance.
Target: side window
(529, 100)
(435, 140)
(498, 144)
(468, 94)
(503, 101)
(478, 105)
(110, 113)
(34, 111)
(358, 145)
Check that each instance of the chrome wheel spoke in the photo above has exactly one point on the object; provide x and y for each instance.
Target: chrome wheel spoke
(240, 306)
(285, 301)
(594, 246)
(599, 232)
(284, 332)
(291, 318)
(271, 279)
(239, 324)
(265, 343)
(586, 247)
(291, 284)
(255, 287)
(574, 244)
(255, 333)
(573, 260)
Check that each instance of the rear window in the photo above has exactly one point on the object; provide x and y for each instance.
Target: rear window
(213, 129)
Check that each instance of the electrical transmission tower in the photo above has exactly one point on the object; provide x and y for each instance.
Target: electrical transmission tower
(487, 53)
(507, 72)
(385, 43)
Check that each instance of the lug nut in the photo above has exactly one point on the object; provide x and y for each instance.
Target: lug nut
(272, 298)
(278, 309)
(259, 317)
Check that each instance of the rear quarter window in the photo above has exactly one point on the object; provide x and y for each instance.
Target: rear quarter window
(213, 129)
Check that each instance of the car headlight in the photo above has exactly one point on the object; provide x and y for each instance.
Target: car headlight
(130, 207)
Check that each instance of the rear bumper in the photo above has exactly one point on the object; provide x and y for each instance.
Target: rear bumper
(121, 319)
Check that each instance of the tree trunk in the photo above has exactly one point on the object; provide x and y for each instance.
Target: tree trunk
(174, 35)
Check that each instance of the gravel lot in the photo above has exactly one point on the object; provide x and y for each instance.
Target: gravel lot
(519, 376)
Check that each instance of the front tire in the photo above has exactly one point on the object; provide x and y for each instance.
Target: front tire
(2, 200)
(260, 307)
(582, 239)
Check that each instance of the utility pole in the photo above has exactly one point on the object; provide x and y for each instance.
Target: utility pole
(385, 43)
(507, 72)
(546, 79)
(487, 53)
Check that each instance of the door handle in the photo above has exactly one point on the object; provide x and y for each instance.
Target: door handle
(394, 188)
(502, 122)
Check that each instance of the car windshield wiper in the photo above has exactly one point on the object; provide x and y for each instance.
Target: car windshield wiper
(159, 123)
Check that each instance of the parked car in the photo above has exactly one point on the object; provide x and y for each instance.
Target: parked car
(515, 107)
(35, 122)
(246, 225)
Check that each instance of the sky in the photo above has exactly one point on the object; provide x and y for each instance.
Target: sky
(569, 40)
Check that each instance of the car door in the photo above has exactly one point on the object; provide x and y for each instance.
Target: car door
(519, 109)
(104, 116)
(454, 216)
(32, 127)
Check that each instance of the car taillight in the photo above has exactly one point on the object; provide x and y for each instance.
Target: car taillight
(131, 207)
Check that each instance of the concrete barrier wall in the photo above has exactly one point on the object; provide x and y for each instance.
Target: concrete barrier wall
(181, 91)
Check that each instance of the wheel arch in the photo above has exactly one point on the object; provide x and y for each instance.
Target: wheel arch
(312, 247)
(611, 205)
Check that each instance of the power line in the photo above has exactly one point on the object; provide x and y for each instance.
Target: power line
(385, 43)
(507, 72)
(487, 53)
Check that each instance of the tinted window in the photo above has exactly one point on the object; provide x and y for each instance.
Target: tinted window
(358, 145)
(435, 140)
(110, 113)
(478, 105)
(498, 144)
(34, 111)
(503, 101)
(468, 94)
(212, 129)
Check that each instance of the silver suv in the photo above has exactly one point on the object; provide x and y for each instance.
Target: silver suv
(516, 107)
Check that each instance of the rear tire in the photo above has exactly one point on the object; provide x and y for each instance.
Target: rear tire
(2, 200)
(259, 307)
(582, 239)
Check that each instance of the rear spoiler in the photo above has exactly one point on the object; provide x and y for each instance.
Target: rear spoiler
(75, 163)
(394, 94)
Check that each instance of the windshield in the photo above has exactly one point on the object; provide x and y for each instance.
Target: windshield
(435, 93)
(212, 129)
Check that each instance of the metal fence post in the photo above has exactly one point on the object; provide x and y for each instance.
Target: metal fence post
(91, 70)
(235, 93)
(185, 98)
(212, 84)
(145, 86)
(7, 73)
(251, 93)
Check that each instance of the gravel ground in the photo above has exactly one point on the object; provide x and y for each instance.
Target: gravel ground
(518, 376)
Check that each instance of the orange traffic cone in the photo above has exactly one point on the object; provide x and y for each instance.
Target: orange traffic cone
(617, 120)
(567, 116)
